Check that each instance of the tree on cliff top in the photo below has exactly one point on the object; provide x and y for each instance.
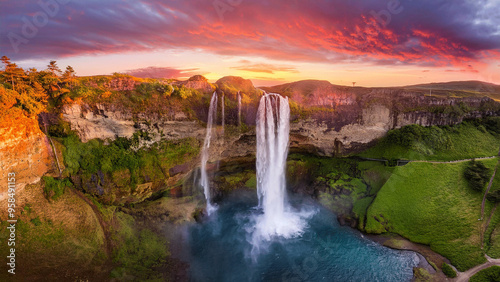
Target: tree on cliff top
(12, 74)
(21, 89)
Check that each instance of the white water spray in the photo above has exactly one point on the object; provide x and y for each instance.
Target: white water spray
(273, 128)
(212, 114)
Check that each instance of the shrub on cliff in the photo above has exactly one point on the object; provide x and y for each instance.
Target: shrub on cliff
(477, 175)
(448, 270)
(54, 188)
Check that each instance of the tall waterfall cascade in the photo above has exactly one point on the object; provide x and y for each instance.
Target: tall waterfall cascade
(272, 130)
(204, 181)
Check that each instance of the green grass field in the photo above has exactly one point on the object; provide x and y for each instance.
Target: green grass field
(432, 204)
(463, 141)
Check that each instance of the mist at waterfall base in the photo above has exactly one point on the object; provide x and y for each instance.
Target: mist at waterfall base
(269, 236)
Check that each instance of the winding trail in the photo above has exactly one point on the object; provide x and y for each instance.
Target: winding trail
(465, 276)
(488, 224)
(431, 162)
(488, 190)
(456, 161)
(102, 223)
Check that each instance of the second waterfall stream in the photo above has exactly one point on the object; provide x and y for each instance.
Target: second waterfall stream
(205, 183)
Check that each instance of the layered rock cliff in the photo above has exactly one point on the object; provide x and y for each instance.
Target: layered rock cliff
(25, 151)
(107, 122)
(348, 128)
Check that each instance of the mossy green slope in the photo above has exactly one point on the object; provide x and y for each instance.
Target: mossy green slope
(414, 142)
(432, 204)
(63, 233)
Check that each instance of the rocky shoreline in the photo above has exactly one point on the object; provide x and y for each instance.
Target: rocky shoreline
(429, 260)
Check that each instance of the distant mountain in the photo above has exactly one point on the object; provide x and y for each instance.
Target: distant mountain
(471, 85)
(472, 88)
(322, 92)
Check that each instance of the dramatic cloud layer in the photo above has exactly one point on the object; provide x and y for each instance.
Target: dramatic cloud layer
(455, 33)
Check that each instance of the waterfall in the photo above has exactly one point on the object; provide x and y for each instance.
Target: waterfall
(239, 108)
(223, 122)
(44, 118)
(212, 115)
(273, 127)
(223, 114)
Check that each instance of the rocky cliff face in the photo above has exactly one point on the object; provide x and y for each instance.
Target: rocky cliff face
(350, 128)
(327, 120)
(24, 150)
(105, 122)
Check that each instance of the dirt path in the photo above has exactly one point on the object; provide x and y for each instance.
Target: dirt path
(488, 224)
(456, 161)
(488, 190)
(465, 276)
(104, 226)
(431, 162)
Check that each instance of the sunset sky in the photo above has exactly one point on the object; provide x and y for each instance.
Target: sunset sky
(372, 42)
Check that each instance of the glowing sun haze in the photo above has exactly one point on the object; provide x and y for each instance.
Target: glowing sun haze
(372, 42)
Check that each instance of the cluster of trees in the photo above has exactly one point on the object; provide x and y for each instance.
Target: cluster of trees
(421, 139)
(31, 90)
(477, 174)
